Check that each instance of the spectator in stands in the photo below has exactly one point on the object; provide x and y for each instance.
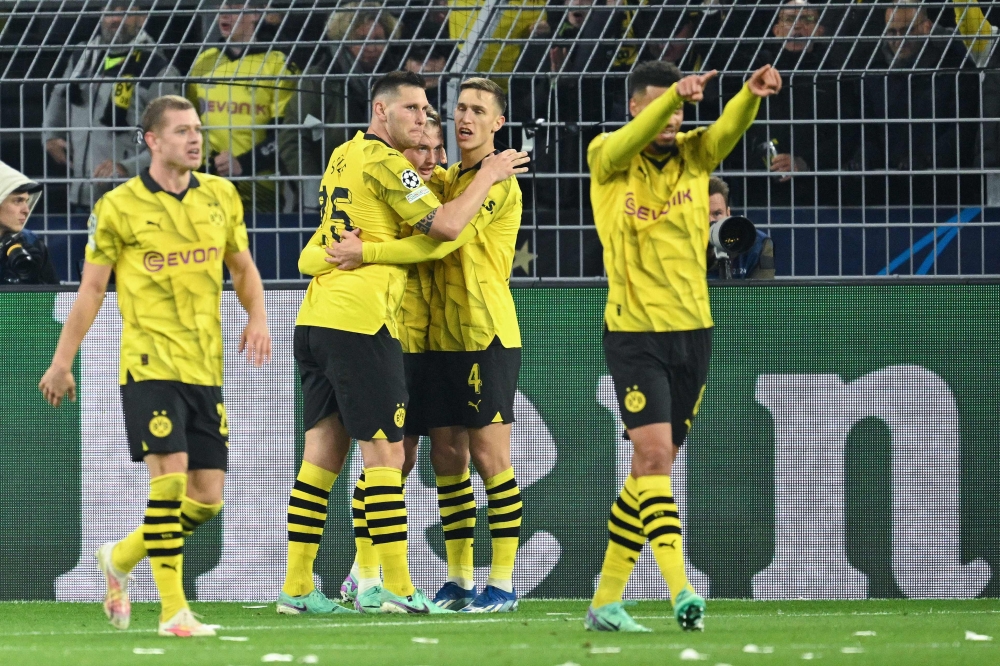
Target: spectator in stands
(24, 259)
(783, 140)
(758, 263)
(980, 38)
(518, 20)
(90, 121)
(430, 63)
(928, 98)
(424, 23)
(241, 91)
(335, 92)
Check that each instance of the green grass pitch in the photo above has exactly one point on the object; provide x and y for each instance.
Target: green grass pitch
(546, 633)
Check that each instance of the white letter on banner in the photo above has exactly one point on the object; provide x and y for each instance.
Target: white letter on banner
(533, 456)
(646, 581)
(812, 417)
(260, 403)
(920, 411)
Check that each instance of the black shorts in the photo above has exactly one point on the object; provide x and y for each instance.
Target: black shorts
(471, 389)
(659, 377)
(172, 417)
(415, 366)
(356, 375)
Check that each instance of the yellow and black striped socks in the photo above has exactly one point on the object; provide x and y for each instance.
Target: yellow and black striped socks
(662, 526)
(385, 518)
(625, 541)
(129, 551)
(457, 505)
(306, 519)
(161, 529)
(503, 510)
(366, 558)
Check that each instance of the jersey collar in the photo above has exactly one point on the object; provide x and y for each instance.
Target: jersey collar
(375, 137)
(476, 166)
(154, 187)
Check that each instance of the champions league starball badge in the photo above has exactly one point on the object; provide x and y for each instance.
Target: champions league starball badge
(410, 179)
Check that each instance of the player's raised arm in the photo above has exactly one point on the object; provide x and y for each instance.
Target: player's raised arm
(447, 221)
(723, 135)
(622, 145)
(58, 382)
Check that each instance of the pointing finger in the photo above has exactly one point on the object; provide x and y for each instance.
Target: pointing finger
(705, 78)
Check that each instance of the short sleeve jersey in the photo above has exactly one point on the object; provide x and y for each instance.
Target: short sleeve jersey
(471, 303)
(370, 186)
(653, 222)
(415, 315)
(167, 252)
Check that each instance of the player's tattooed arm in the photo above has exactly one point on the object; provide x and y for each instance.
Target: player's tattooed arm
(424, 225)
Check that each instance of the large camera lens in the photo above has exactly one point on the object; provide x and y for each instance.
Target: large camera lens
(733, 235)
(19, 260)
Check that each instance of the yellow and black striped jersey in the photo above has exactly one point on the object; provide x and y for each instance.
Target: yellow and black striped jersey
(471, 301)
(516, 22)
(167, 252)
(651, 214)
(238, 97)
(370, 186)
(415, 314)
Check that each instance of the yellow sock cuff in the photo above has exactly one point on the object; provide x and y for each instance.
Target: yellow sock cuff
(502, 477)
(452, 480)
(659, 483)
(195, 513)
(379, 476)
(315, 475)
(168, 486)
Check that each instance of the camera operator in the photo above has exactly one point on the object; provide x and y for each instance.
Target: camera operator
(24, 259)
(758, 262)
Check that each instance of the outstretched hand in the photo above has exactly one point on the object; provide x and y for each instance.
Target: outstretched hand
(347, 254)
(765, 82)
(692, 88)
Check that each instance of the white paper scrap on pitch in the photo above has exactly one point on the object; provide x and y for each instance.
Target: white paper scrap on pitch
(235, 639)
(558, 613)
(148, 651)
(605, 650)
(424, 641)
(255, 607)
(864, 633)
(690, 654)
(973, 636)
(757, 649)
(568, 663)
(275, 656)
(852, 650)
(308, 659)
(808, 655)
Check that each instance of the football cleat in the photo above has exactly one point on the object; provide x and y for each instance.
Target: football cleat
(184, 625)
(117, 606)
(493, 600)
(415, 603)
(369, 601)
(611, 617)
(314, 603)
(349, 588)
(689, 610)
(453, 596)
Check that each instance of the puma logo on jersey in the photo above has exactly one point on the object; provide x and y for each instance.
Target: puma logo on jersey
(475, 405)
(168, 566)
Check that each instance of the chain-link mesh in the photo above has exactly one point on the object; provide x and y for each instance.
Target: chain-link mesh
(880, 156)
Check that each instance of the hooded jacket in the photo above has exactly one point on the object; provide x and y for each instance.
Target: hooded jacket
(102, 112)
(10, 180)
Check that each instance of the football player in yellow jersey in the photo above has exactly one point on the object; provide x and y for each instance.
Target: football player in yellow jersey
(474, 357)
(166, 234)
(414, 322)
(241, 116)
(346, 344)
(649, 191)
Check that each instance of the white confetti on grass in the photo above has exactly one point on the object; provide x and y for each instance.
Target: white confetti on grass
(235, 639)
(424, 641)
(148, 651)
(690, 654)
(568, 663)
(852, 650)
(605, 650)
(808, 656)
(558, 613)
(757, 649)
(308, 659)
(973, 636)
(864, 633)
(255, 607)
(276, 656)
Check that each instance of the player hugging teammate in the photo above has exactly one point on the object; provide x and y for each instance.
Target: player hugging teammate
(354, 379)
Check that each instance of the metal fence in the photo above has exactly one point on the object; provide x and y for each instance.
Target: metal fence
(880, 156)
